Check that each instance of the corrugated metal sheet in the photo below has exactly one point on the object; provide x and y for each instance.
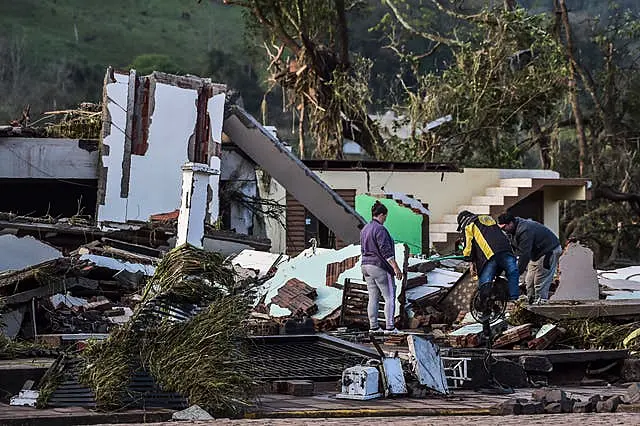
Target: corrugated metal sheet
(141, 392)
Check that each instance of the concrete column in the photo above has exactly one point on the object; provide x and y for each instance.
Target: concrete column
(193, 208)
(551, 212)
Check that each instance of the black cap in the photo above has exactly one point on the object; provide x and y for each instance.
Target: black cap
(465, 217)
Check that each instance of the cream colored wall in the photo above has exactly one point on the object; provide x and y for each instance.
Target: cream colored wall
(552, 197)
(442, 191)
(551, 212)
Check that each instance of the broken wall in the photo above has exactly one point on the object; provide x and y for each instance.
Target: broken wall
(149, 131)
(238, 180)
(270, 189)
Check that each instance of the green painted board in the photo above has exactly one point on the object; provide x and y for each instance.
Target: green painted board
(404, 225)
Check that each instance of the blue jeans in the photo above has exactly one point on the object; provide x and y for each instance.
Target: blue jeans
(500, 262)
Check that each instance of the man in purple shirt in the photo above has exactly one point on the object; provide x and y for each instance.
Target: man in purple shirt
(378, 268)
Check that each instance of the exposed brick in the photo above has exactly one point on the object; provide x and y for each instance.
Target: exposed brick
(300, 387)
(335, 269)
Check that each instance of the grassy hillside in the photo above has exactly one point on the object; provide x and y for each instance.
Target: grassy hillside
(117, 31)
(61, 47)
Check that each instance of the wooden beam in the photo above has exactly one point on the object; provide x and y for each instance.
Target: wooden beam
(585, 310)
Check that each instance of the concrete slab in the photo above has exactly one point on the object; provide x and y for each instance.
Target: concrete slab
(578, 278)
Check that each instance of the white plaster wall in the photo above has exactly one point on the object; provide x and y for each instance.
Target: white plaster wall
(156, 177)
(215, 107)
(272, 190)
(115, 208)
(46, 158)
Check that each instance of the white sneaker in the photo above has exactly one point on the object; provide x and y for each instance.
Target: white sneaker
(393, 331)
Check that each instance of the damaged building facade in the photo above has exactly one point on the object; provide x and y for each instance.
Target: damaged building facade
(175, 165)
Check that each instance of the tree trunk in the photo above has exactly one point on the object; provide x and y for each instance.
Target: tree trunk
(301, 131)
(573, 86)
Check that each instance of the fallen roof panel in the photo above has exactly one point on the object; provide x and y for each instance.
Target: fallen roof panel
(267, 151)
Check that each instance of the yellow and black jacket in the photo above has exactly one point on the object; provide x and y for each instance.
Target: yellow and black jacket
(484, 238)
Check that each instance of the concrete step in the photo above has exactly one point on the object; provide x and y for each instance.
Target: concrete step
(443, 227)
(517, 182)
(450, 218)
(438, 237)
(488, 200)
(477, 209)
(503, 191)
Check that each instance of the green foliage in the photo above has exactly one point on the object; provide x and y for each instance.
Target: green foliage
(194, 358)
(45, 65)
(505, 78)
(147, 63)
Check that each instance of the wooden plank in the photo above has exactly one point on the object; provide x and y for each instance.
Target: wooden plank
(586, 310)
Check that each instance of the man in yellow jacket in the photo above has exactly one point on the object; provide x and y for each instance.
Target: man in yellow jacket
(489, 250)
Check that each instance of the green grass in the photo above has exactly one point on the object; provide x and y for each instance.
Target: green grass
(116, 31)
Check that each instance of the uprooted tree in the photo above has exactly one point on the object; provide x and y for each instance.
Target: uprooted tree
(523, 89)
(307, 42)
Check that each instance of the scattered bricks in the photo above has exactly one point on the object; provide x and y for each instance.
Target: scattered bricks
(633, 394)
(583, 407)
(539, 395)
(301, 287)
(613, 402)
(300, 387)
(536, 364)
(548, 396)
(507, 408)
(629, 408)
(553, 408)
(513, 335)
(50, 340)
(546, 336)
(532, 408)
(556, 395)
(608, 406)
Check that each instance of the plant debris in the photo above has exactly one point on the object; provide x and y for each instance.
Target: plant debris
(193, 356)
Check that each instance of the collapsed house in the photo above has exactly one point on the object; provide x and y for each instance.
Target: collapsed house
(176, 167)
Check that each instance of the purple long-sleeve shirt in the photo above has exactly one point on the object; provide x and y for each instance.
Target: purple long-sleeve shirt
(376, 245)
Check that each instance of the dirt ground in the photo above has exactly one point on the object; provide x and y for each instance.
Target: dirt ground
(543, 419)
